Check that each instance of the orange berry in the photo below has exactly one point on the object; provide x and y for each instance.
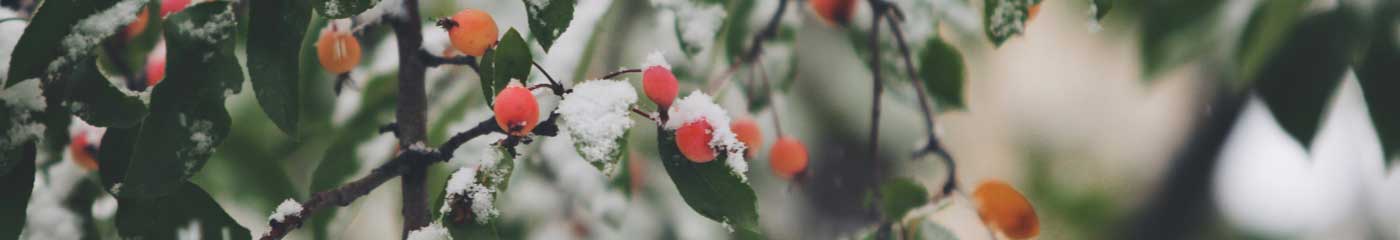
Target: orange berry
(338, 50)
(79, 149)
(693, 139)
(170, 6)
(836, 12)
(1005, 209)
(1032, 12)
(660, 86)
(516, 110)
(155, 65)
(472, 31)
(746, 130)
(139, 25)
(788, 157)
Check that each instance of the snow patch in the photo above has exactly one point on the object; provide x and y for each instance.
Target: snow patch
(90, 31)
(190, 231)
(217, 28)
(23, 100)
(696, 23)
(288, 208)
(1008, 19)
(595, 114)
(47, 216)
(104, 207)
(656, 58)
(385, 9)
(11, 30)
(463, 183)
(697, 106)
(433, 231)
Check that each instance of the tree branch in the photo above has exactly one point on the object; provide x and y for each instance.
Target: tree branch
(612, 75)
(348, 193)
(412, 113)
(877, 8)
(431, 60)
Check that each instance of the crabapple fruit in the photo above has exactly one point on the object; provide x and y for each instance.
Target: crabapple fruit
(472, 31)
(338, 50)
(660, 86)
(517, 112)
(746, 130)
(1006, 210)
(83, 152)
(693, 139)
(788, 157)
(155, 65)
(837, 12)
(139, 25)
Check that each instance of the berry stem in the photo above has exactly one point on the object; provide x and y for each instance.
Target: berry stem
(431, 60)
(553, 85)
(612, 75)
(934, 144)
(772, 102)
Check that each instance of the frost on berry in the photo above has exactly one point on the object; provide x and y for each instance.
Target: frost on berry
(697, 106)
(595, 114)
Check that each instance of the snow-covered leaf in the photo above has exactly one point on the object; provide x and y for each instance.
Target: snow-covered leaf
(63, 31)
(16, 184)
(336, 9)
(1004, 19)
(596, 114)
(510, 60)
(941, 67)
(97, 101)
(187, 213)
(1299, 80)
(899, 195)
(549, 19)
(473, 213)
(187, 119)
(276, 29)
(1174, 31)
(711, 189)
(1379, 74)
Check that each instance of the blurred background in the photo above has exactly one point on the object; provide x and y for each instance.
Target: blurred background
(1108, 134)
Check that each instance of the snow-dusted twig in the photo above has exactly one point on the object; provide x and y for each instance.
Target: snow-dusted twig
(346, 194)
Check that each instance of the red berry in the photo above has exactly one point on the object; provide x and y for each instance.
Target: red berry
(834, 11)
(78, 148)
(516, 110)
(472, 31)
(1032, 12)
(338, 51)
(1006, 210)
(155, 65)
(139, 25)
(693, 139)
(788, 157)
(660, 86)
(746, 130)
(170, 6)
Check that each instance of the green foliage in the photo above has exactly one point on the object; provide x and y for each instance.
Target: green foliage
(711, 189)
(1173, 31)
(17, 184)
(1298, 81)
(1003, 19)
(549, 20)
(1266, 30)
(942, 70)
(187, 118)
(97, 101)
(928, 230)
(44, 40)
(510, 60)
(1379, 74)
(188, 210)
(1101, 8)
(899, 195)
(497, 179)
(274, 43)
(336, 9)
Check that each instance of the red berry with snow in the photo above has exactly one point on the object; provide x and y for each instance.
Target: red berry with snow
(693, 139)
(746, 130)
(788, 157)
(82, 151)
(472, 31)
(660, 86)
(516, 110)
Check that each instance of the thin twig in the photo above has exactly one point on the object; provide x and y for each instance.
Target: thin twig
(612, 75)
(755, 46)
(554, 85)
(431, 60)
(878, 88)
(345, 194)
(934, 144)
(777, 122)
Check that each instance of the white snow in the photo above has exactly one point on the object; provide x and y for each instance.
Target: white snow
(697, 23)
(91, 30)
(697, 106)
(47, 216)
(433, 231)
(595, 114)
(23, 100)
(484, 205)
(10, 32)
(435, 41)
(460, 181)
(656, 58)
(463, 184)
(104, 207)
(385, 9)
(1007, 19)
(190, 231)
(217, 28)
(288, 208)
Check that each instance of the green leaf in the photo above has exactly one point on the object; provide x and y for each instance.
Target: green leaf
(711, 189)
(942, 70)
(1100, 8)
(115, 156)
(736, 28)
(56, 38)
(336, 9)
(98, 101)
(510, 60)
(1299, 80)
(188, 211)
(16, 184)
(274, 44)
(1173, 31)
(1379, 74)
(187, 119)
(899, 195)
(497, 179)
(623, 179)
(1267, 27)
(549, 19)
(1003, 19)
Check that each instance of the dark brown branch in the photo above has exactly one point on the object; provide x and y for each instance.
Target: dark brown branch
(348, 193)
(431, 60)
(553, 85)
(934, 145)
(411, 114)
(612, 75)
(877, 7)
